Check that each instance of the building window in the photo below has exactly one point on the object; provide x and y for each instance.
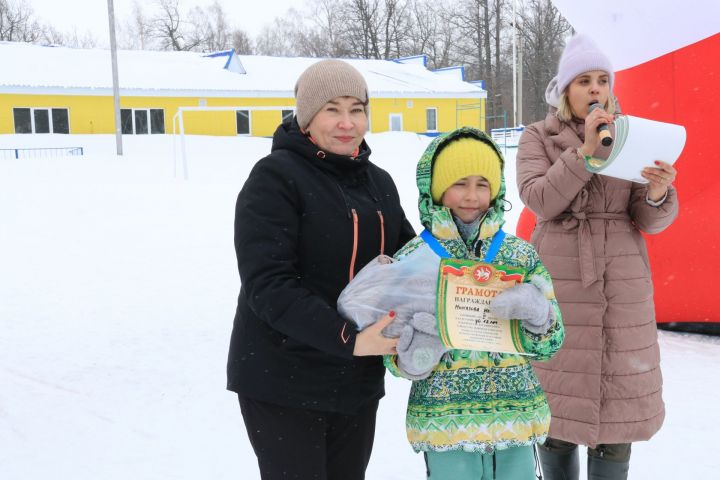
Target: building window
(157, 120)
(60, 122)
(141, 121)
(287, 115)
(242, 118)
(126, 121)
(431, 119)
(23, 123)
(41, 120)
(396, 122)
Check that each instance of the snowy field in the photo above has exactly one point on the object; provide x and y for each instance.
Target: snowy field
(117, 292)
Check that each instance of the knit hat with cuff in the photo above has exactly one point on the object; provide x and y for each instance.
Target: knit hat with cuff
(580, 55)
(323, 81)
(462, 158)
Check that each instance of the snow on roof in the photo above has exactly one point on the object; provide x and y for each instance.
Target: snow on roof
(28, 68)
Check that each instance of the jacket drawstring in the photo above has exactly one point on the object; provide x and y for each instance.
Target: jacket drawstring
(371, 188)
(347, 204)
(494, 465)
(355, 244)
(382, 232)
(538, 475)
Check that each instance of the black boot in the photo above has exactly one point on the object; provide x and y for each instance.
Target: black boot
(609, 462)
(601, 469)
(559, 460)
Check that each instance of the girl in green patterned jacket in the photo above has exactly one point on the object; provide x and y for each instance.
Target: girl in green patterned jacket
(475, 415)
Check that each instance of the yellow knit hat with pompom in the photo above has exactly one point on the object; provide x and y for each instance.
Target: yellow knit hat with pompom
(461, 158)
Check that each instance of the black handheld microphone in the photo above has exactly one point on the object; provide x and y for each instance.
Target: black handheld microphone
(603, 130)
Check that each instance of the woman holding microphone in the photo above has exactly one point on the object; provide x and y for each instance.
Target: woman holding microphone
(604, 386)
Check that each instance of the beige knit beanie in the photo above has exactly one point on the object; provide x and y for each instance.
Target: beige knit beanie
(323, 81)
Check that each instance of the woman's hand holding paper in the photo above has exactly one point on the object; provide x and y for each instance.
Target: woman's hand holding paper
(660, 178)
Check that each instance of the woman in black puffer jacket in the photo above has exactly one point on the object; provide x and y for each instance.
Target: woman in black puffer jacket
(310, 215)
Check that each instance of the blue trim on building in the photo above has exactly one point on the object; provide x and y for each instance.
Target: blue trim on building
(412, 57)
(445, 69)
(226, 53)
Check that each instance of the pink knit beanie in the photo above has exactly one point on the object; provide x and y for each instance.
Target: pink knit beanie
(580, 55)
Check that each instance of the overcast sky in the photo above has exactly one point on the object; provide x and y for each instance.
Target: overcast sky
(91, 15)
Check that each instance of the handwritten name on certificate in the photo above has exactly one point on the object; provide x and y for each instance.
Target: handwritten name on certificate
(465, 290)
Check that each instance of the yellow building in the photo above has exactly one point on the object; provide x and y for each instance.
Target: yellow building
(64, 90)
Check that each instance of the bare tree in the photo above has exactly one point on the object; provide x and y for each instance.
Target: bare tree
(242, 43)
(313, 36)
(484, 16)
(137, 31)
(207, 29)
(543, 31)
(363, 20)
(280, 39)
(77, 39)
(326, 29)
(169, 28)
(430, 32)
(500, 85)
(468, 17)
(52, 36)
(398, 25)
(222, 33)
(17, 22)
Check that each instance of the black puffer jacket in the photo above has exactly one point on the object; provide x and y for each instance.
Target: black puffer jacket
(299, 217)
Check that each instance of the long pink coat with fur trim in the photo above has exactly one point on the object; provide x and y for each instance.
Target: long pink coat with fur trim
(604, 385)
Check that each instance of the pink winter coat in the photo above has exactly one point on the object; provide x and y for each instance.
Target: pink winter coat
(604, 385)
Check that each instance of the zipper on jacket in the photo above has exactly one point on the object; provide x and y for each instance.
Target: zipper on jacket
(355, 244)
(538, 469)
(382, 232)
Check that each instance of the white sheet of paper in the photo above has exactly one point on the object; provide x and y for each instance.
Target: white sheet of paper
(638, 143)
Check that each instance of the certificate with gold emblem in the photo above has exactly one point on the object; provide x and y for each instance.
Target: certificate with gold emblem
(465, 290)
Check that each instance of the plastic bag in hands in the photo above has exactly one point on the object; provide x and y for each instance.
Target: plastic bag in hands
(419, 347)
(526, 303)
(407, 286)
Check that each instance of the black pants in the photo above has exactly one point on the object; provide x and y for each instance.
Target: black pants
(614, 452)
(298, 444)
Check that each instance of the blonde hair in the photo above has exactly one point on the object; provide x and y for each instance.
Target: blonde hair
(564, 112)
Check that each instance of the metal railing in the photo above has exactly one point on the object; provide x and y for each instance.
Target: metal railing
(508, 137)
(17, 153)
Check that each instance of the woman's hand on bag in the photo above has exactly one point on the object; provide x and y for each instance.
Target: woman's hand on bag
(371, 341)
(592, 139)
(660, 178)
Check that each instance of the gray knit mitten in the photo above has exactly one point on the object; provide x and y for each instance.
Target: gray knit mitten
(419, 347)
(526, 303)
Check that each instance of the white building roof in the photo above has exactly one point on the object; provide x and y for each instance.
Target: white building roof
(62, 70)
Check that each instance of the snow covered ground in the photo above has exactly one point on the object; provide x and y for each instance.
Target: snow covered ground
(117, 291)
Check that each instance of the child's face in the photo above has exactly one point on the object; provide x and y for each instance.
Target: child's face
(468, 198)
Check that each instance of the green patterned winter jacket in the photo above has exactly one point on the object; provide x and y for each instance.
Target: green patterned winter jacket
(479, 401)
